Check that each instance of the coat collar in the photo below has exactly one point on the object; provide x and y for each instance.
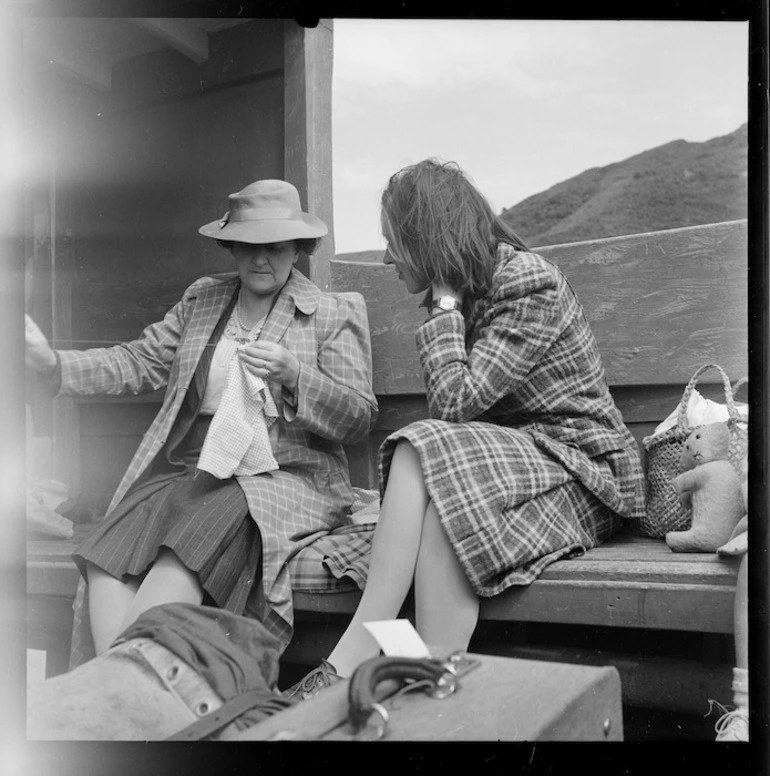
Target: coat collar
(305, 294)
(299, 293)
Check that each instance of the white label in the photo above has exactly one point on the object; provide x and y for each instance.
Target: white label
(36, 666)
(398, 638)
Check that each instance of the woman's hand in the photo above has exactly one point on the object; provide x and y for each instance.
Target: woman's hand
(39, 355)
(273, 362)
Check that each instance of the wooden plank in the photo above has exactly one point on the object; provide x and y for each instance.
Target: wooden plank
(667, 301)
(180, 34)
(602, 602)
(49, 627)
(52, 578)
(80, 65)
(660, 304)
(614, 585)
(308, 55)
(647, 681)
(237, 55)
(394, 318)
(116, 419)
(700, 608)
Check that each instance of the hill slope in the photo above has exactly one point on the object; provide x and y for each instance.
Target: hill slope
(673, 185)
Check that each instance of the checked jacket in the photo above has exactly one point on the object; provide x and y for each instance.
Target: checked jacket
(311, 493)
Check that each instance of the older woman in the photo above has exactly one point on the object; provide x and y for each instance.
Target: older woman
(525, 457)
(266, 378)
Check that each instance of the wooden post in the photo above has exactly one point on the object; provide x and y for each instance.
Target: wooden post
(308, 55)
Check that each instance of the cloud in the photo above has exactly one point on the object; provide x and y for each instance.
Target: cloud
(520, 105)
(438, 54)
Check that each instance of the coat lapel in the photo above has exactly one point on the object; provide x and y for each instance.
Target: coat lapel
(298, 294)
(209, 306)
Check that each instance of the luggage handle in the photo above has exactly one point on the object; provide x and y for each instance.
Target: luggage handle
(439, 677)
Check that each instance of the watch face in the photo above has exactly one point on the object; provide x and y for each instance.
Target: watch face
(447, 303)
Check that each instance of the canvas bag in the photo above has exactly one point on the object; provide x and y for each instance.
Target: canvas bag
(662, 451)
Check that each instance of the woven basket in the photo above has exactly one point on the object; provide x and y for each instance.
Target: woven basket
(662, 451)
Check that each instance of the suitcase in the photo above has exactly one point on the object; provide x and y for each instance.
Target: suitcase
(496, 699)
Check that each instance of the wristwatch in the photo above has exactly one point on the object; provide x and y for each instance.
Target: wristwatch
(444, 304)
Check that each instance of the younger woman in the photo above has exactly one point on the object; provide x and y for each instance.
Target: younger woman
(525, 457)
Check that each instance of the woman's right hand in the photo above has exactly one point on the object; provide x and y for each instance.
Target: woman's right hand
(40, 356)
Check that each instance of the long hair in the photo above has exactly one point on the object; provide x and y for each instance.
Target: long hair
(443, 227)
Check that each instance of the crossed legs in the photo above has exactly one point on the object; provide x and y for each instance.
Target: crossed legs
(114, 605)
(410, 545)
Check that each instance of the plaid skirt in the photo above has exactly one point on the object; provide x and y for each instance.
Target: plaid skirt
(203, 520)
(507, 506)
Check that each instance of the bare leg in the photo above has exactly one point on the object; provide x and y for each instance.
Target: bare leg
(394, 555)
(108, 601)
(447, 609)
(740, 615)
(168, 581)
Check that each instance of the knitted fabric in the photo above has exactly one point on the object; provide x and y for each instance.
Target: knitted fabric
(238, 442)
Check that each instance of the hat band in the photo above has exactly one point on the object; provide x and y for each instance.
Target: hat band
(264, 214)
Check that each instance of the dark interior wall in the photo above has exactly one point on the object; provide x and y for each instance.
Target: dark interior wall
(162, 172)
(118, 183)
(121, 180)
(140, 168)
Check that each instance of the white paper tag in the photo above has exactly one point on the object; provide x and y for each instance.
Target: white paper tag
(398, 638)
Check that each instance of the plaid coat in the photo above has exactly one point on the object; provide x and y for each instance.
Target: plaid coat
(311, 493)
(526, 456)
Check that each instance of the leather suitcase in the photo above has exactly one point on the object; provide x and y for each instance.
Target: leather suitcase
(498, 699)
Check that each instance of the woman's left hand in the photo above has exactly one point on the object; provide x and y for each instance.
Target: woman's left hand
(272, 362)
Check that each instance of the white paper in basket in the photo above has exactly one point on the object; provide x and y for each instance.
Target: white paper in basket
(701, 411)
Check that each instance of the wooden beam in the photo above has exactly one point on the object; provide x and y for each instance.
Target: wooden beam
(85, 68)
(180, 35)
(308, 55)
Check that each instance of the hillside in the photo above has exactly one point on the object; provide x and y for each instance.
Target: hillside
(673, 185)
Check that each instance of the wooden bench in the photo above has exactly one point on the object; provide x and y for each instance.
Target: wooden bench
(660, 304)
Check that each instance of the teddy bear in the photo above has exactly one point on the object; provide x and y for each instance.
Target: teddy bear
(710, 486)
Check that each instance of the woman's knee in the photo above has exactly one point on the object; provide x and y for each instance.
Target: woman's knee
(406, 453)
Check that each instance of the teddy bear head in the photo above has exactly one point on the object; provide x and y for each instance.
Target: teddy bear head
(706, 443)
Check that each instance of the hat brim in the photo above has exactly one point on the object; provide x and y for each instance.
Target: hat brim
(267, 231)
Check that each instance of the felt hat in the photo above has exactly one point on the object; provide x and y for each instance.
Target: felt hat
(266, 211)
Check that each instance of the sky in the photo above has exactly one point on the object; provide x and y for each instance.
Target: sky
(520, 105)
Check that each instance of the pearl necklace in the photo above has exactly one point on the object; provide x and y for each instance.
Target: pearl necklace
(251, 333)
(238, 317)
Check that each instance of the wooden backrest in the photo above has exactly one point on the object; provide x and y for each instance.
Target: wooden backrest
(660, 304)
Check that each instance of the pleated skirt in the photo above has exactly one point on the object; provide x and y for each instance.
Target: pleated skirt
(203, 520)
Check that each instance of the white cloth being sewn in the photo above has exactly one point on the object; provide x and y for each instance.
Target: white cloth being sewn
(237, 442)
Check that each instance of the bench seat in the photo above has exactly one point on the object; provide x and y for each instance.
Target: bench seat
(628, 582)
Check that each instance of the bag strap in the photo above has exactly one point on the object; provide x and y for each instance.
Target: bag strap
(728, 391)
(206, 726)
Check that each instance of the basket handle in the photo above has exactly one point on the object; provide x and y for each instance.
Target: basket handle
(731, 409)
(739, 384)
